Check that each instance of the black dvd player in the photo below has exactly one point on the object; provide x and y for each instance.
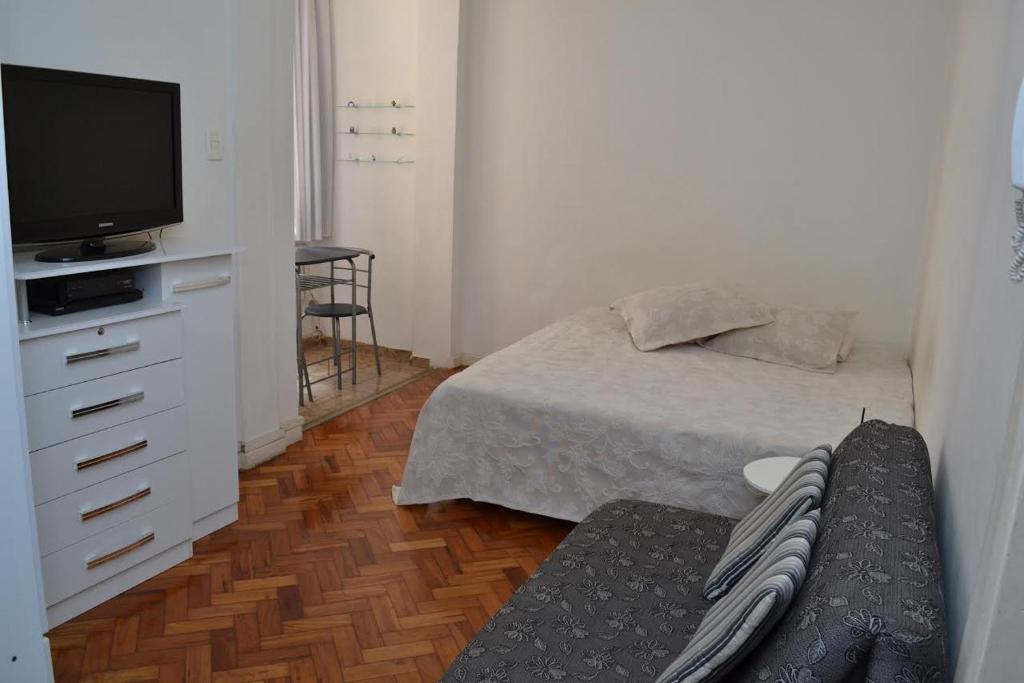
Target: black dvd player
(82, 291)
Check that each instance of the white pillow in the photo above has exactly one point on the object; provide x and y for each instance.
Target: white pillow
(675, 315)
(801, 337)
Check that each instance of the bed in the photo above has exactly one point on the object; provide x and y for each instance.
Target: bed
(574, 416)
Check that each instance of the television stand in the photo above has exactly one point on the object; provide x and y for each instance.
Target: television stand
(121, 398)
(95, 250)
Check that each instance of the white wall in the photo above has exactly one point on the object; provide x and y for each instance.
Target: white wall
(970, 328)
(375, 56)
(433, 247)
(260, 38)
(233, 61)
(610, 146)
(182, 42)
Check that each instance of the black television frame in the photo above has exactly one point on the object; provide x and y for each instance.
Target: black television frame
(88, 229)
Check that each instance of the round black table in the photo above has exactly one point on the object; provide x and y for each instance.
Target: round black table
(308, 256)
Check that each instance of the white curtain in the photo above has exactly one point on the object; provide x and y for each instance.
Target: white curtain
(314, 120)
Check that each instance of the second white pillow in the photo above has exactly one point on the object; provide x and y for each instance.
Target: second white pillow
(800, 337)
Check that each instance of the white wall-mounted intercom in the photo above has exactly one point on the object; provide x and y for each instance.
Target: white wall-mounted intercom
(1017, 179)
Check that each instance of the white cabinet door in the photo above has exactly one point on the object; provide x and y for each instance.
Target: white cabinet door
(204, 289)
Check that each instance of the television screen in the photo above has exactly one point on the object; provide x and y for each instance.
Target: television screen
(90, 156)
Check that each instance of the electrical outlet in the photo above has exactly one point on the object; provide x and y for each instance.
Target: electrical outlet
(214, 149)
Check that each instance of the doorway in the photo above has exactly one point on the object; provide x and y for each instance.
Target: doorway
(356, 134)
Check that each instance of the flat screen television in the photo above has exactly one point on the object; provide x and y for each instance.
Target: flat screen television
(90, 157)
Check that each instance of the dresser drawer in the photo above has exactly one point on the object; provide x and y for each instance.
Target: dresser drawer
(88, 460)
(65, 359)
(64, 414)
(81, 514)
(99, 557)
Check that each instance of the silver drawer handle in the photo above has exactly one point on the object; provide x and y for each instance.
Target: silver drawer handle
(218, 281)
(107, 405)
(114, 554)
(110, 507)
(101, 353)
(112, 455)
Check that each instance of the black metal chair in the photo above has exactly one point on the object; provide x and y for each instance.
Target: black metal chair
(343, 272)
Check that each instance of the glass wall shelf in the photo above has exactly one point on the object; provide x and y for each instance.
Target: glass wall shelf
(374, 160)
(394, 132)
(352, 104)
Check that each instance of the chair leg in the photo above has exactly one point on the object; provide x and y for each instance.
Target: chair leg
(309, 385)
(304, 373)
(298, 360)
(373, 334)
(300, 352)
(353, 354)
(335, 330)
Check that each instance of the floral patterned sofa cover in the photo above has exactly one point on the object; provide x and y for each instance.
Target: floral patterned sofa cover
(621, 596)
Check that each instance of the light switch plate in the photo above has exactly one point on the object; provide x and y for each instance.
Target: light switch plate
(214, 151)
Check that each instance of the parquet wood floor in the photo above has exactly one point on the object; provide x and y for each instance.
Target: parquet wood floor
(322, 578)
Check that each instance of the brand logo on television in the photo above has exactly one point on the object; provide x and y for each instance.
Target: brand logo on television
(108, 224)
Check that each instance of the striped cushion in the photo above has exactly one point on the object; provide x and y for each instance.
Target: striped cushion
(740, 620)
(800, 491)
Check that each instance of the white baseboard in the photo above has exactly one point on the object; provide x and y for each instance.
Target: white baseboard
(266, 446)
(447, 362)
(466, 359)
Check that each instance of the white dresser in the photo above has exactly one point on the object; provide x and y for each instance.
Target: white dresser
(132, 425)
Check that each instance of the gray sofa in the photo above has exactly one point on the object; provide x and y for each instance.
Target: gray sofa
(621, 596)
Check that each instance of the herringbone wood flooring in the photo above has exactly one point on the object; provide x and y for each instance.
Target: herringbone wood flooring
(322, 578)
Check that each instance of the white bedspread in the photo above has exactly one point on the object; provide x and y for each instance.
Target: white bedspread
(574, 416)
